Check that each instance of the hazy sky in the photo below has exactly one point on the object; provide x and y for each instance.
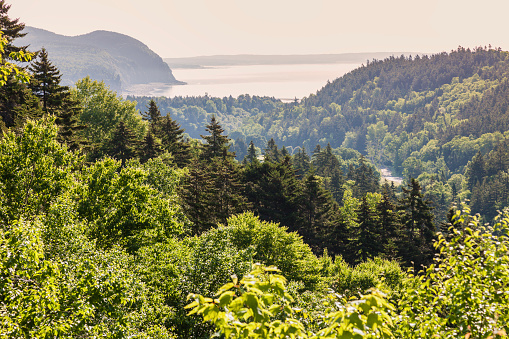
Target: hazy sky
(175, 28)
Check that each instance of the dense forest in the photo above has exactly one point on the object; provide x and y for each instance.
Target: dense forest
(250, 218)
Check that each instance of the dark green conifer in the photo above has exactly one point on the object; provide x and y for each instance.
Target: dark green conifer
(122, 145)
(419, 229)
(153, 116)
(217, 144)
(45, 82)
(251, 154)
(172, 141)
(149, 148)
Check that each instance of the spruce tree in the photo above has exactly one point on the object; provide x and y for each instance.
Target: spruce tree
(45, 82)
(316, 207)
(172, 141)
(16, 102)
(122, 145)
(251, 154)
(217, 144)
(11, 30)
(149, 148)
(369, 240)
(196, 198)
(301, 162)
(271, 152)
(476, 170)
(417, 219)
(389, 226)
(153, 116)
(273, 190)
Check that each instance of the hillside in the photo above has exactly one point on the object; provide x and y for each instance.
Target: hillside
(423, 117)
(117, 59)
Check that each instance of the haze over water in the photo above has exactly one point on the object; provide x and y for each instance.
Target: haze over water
(285, 82)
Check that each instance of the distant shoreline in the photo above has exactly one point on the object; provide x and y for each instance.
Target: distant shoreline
(253, 59)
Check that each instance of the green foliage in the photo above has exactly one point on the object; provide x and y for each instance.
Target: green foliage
(122, 208)
(34, 170)
(463, 293)
(103, 110)
(259, 306)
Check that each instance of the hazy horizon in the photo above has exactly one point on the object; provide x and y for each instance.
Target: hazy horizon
(192, 28)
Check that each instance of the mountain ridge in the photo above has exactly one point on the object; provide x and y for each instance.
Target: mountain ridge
(117, 59)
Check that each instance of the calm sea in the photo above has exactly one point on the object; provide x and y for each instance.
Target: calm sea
(285, 82)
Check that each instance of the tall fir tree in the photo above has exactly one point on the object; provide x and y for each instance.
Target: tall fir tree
(123, 144)
(251, 154)
(196, 197)
(301, 162)
(45, 82)
(153, 116)
(369, 239)
(149, 148)
(418, 223)
(17, 103)
(217, 144)
(316, 208)
(172, 141)
(273, 189)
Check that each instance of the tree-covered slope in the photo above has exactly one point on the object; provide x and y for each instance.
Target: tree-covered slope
(117, 59)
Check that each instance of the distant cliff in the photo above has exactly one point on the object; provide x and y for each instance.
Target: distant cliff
(117, 59)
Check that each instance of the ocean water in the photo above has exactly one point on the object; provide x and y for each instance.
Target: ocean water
(285, 82)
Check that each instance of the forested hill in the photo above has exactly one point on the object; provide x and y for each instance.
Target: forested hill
(115, 58)
(424, 116)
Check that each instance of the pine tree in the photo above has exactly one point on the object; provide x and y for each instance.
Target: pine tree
(316, 207)
(419, 229)
(369, 240)
(45, 82)
(172, 140)
(227, 196)
(149, 148)
(196, 198)
(11, 29)
(273, 189)
(475, 170)
(153, 116)
(251, 154)
(17, 104)
(271, 152)
(122, 145)
(217, 144)
(389, 226)
(301, 162)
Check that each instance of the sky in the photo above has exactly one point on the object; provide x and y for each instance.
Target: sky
(183, 28)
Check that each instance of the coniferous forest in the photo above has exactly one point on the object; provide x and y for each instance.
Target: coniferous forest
(248, 217)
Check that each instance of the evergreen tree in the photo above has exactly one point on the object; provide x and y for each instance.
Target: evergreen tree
(45, 82)
(196, 198)
(251, 154)
(272, 153)
(273, 190)
(419, 229)
(11, 29)
(475, 171)
(301, 162)
(17, 104)
(153, 116)
(149, 148)
(369, 240)
(316, 207)
(389, 226)
(122, 145)
(172, 139)
(226, 198)
(216, 144)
